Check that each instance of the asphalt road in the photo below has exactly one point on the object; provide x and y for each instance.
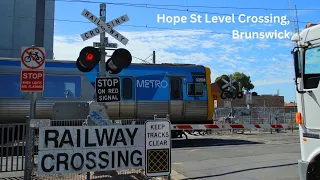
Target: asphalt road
(261, 156)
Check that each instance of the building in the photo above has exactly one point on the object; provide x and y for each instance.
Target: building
(290, 107)
(18, 24)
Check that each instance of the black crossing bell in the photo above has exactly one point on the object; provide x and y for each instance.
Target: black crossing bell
(88, 58)
(120, 59)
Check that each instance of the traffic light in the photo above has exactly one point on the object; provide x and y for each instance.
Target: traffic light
(239, 95)
(120, 59)
(226, 94)
(88, 58)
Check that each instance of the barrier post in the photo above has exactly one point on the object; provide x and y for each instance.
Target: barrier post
(28, 151)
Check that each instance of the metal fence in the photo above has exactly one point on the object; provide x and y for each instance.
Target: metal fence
(257, 115)
(14, 151)
(12, 142)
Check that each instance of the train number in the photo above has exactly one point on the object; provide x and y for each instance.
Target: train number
(200, 79)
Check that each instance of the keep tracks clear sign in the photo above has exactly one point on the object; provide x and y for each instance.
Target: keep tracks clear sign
(90, 148)
(158, 148)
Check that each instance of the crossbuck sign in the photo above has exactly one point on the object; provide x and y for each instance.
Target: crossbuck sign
(229, 84)
(104, 27)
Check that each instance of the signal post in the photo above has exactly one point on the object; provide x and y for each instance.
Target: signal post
(108, 88)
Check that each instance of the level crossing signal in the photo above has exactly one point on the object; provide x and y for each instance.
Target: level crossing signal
(231, 95)
(90, 56)
(120, 59)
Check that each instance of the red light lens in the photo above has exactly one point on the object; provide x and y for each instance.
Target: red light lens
(89, 57)
(122, 58)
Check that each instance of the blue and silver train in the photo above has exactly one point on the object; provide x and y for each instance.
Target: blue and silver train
(181, 90)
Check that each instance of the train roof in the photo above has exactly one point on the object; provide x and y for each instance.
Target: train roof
(72, 64)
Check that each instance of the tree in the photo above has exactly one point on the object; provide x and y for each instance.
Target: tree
(254, 94)
(243, 80)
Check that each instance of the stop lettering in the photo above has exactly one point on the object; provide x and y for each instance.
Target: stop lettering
(32, 75)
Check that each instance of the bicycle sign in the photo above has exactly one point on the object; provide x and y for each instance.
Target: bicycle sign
(32, 58)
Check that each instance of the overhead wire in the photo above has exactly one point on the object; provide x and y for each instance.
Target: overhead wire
(188, 6)
(160, 28)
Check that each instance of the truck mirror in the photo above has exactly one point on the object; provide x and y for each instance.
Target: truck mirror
(296, 63)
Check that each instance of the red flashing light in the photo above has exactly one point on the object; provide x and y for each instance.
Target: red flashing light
(122, 58)
(89, 57)
(239, 95)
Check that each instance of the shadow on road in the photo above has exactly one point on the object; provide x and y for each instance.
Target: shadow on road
(243, 170)
(205, 142)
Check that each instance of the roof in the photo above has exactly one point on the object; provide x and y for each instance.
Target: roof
(291, 104)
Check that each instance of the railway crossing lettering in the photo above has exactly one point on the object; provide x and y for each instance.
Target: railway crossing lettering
(104, 27)
(108, 89)
(90, 148)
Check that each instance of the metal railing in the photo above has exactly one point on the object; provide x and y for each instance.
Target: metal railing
(12, 143)
(259, 115)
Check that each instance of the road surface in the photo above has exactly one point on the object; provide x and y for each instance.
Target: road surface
(262, 156)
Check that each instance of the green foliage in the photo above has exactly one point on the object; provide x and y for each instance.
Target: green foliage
(243, 81)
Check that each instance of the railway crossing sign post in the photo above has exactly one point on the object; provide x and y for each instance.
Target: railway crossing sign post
(158, 148)
(31, 80)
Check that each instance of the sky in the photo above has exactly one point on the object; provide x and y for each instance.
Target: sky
(267, 61)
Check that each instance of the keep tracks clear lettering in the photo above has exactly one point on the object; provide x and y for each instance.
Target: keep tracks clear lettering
(158, 135)
(90, 148)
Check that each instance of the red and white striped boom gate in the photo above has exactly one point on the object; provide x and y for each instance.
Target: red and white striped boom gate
(227, 126)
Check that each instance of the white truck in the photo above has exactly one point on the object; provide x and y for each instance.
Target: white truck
(307, 76)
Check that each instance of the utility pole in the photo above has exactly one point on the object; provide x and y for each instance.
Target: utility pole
(102, 63)
(154, 57)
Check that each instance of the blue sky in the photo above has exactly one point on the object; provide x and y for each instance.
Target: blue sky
(267, 61)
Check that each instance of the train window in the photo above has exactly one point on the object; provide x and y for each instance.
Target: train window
(12, 86)
(175, 91)
(195, 89)
(56, 86)
(127, 88)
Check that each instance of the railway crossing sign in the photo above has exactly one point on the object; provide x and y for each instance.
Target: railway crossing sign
(105, 44)
(229, 84)
(158, 148)
(32, 69)
(104, 27)
(108, 89)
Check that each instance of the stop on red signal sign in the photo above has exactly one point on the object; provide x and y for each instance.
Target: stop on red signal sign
(32, 80)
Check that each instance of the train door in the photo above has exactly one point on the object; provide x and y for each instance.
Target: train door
(176, 99)
(127, 105)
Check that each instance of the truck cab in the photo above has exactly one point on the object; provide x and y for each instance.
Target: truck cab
(306, 54)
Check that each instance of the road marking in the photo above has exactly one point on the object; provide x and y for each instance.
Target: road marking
(192, 150)
(177, 163)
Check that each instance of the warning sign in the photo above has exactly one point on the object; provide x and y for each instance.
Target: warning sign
(158, 148)
(108, 89)
(32, 58)
(32, 80)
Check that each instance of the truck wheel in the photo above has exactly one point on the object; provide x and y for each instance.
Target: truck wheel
(314, 169)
